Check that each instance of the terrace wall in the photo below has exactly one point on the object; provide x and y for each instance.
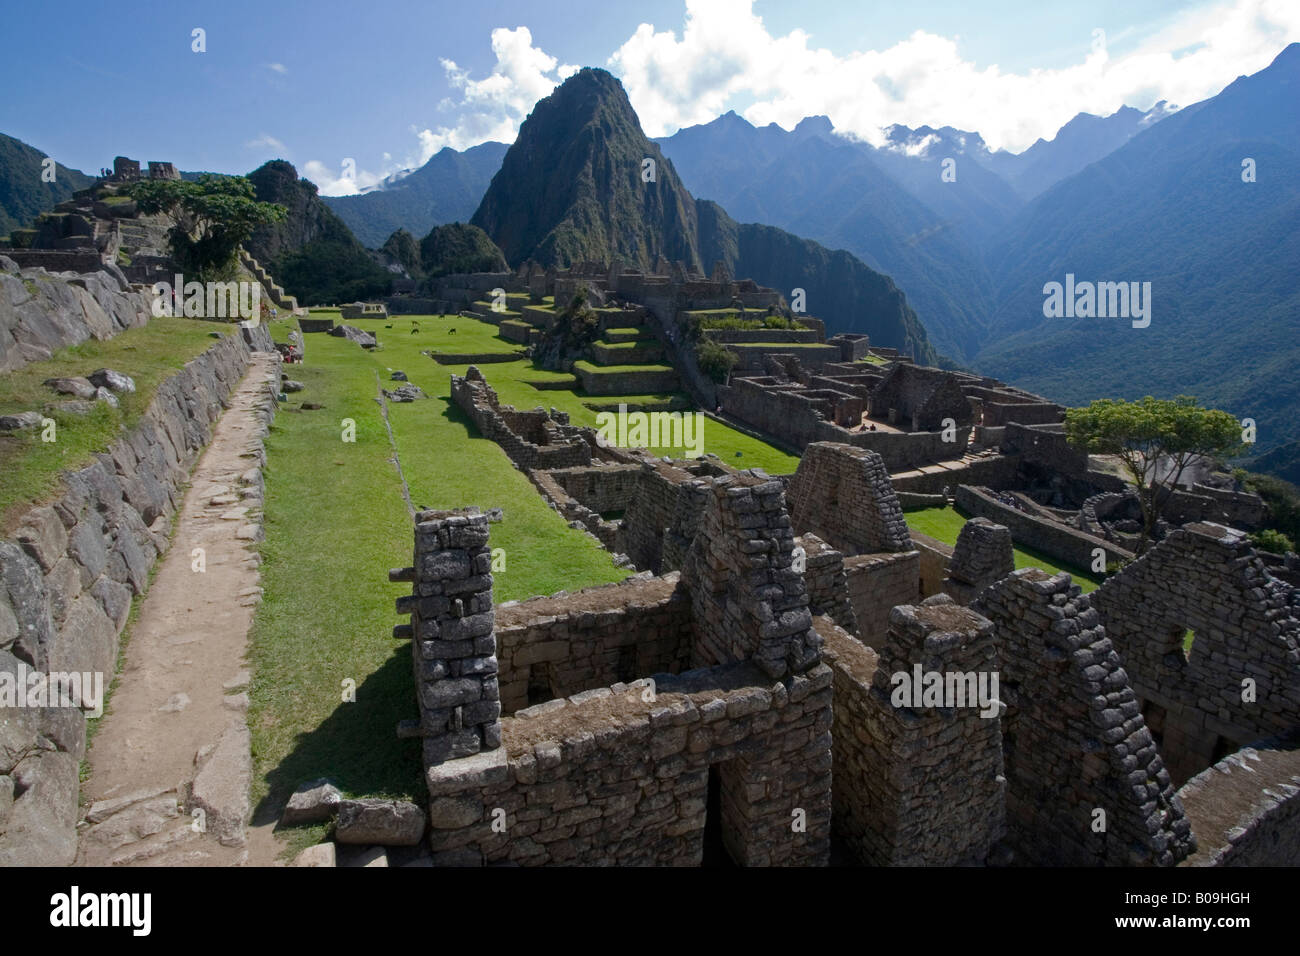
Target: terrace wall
(41, 313)
(68, 577)
(1057, 541)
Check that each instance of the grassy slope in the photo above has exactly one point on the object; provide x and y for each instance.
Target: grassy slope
(945, 524)
(149, 355)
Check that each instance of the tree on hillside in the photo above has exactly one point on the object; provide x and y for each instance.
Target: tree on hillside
(1156, 439)
(213, 217)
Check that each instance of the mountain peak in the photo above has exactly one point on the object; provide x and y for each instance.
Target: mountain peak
(815, 125)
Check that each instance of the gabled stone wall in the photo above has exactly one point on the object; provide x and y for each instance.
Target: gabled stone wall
(843, 495)
(1086, 783)
(1241, 680)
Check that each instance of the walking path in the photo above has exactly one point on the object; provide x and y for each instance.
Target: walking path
(170, 763)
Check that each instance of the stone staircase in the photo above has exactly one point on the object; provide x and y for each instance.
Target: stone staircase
(273, 292)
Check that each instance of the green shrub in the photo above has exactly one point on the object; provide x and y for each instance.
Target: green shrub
(1272, 541)
(1280, 497)
(715, 361)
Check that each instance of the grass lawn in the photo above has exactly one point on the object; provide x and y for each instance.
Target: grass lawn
(401, 350)
(945, 524)
(149, 355)
(584, 365)
(626, 346)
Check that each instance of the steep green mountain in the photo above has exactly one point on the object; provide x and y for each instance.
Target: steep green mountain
(404, 248)
(571, 187)
(1283, 461)
(448, 188)
(574, 187)
(1171, 208)
(311, 253)
(459, 247)
(23, 196)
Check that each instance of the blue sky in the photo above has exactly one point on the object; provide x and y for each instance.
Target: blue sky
(387, 83)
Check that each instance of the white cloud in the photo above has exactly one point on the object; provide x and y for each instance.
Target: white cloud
(342, 180)
(725, 52)
(278, 67)
(268, 142)
(492, 108)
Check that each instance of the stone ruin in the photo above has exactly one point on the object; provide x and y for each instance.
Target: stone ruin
(691, 713)
(1239, 681)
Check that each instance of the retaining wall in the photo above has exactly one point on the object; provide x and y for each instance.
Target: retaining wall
(68, 577)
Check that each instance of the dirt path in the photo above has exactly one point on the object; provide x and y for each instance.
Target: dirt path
(170, 764)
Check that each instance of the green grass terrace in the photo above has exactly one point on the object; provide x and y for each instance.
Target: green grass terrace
(149, 354)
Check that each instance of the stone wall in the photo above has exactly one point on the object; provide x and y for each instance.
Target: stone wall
(992, 471)
(1245, 810)
(41, 313)
(1044, 445)
(645, 381)
(917, 785)
(934, 557)
(1241, 680)
(662, 502)
(748, 602)
(828, 586)
(453, 649)
(563, 448)
(68, 577)
(550, 647)
(628, 774)
(620, 776)
(796, 420)
(996, 414)
(1057, 541)
(1086, 783)
(878, 582)
(843, 495)
(984, 554)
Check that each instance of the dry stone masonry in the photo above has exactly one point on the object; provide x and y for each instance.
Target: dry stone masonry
(1086, 784)
(1240, 680)
(67, 580)
(916, 783)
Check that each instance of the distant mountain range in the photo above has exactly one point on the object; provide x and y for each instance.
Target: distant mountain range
(448, 188)
(1170, 207)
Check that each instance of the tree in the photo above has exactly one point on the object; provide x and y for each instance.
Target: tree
(213, 217)
(1156, 439)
